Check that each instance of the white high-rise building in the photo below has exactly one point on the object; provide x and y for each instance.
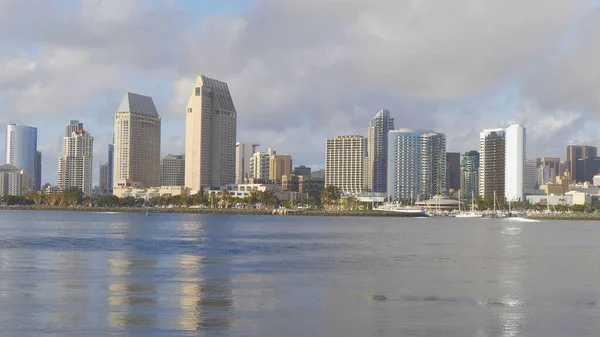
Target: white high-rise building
(514, 169)
(345, 163)
(416, 164)
(243, 153)
(75, 164)
(260, 165)
(136, 143)
(21, 151)
(376, 167)
(210, 135)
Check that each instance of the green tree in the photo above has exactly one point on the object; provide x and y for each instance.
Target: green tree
(330, 196)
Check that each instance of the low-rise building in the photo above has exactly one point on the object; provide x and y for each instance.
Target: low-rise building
(148, 193)
(244, 190)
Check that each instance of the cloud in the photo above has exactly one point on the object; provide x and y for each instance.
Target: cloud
(302, 71)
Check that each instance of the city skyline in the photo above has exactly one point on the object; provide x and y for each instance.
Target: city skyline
(306, 80)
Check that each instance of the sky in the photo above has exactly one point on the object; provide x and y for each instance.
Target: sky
(302, 71)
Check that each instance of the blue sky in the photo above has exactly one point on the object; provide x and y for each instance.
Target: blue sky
(302, 71)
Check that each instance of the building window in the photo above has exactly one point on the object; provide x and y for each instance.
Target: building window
(197, 91)
(189, 110)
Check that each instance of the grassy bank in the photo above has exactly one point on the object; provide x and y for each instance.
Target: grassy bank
(215, 211)
(565, 216)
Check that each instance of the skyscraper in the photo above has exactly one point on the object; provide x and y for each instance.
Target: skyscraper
(260, 165)
(416, 164)
(531, 174)
(210, 135)
(136, 143)
(492, 163)
(172, 170)
(553, 163)
(345, 163)
(514, 169)
(281, 164)
(73, 126)
(103, 179)
(37, 179)
(243, 153)
(575, 152)
(452, 171)
(21, 151)
(75, 164)
(376, 170)
(469, 174)
(13, 180)
(110, 168)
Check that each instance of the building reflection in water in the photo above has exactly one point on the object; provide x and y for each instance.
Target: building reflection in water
(205, 294)
(72, 292)
(132, 286)
(509, 307)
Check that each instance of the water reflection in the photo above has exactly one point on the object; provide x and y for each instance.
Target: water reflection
(205, 294)
(72, 296)
(510, 315)
(132, 291)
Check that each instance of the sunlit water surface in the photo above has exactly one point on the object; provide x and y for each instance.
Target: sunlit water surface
(97, 274)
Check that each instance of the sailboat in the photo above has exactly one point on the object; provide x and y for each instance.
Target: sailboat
(472, 213)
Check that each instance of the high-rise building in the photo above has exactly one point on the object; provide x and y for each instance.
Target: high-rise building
(376, 168)
(514, 169)
(491, 163)
(531, 174)
(136, 143)
(172, 170)
(469, 174)
(345, 163)
(553, 163)
(13, 180)
(545, 175)
(243, 153)
(452, 171)
(302, 171)
(73, 126)
(111, 168)
(21, 151)
(416, 164)
(37, 179)
(281, 164)
(210, 135)
(103, 179)
(260, 165)
(575, 152)
(75, 164)
(586, 168)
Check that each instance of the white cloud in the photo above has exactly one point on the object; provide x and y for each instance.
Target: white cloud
(313, 69)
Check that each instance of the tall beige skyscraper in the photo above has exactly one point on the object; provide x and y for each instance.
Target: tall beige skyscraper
(210, 135)
(136, 143)
(345, 163)
(75, 164)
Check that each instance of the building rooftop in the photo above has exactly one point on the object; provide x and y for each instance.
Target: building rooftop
(138, 104)
(10, 167)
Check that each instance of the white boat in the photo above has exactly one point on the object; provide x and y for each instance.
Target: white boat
(465, 214)
(408, 210)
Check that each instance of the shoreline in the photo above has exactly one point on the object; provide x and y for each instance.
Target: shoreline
(566, 216)
(206, 211)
